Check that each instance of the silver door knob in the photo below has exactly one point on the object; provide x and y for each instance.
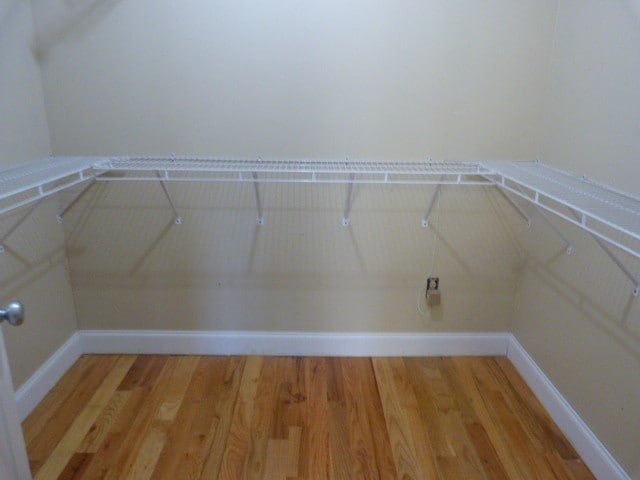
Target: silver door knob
(14, 313)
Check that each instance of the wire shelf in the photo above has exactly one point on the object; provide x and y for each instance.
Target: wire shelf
(33, 181)
(299, 171)
(608, 214)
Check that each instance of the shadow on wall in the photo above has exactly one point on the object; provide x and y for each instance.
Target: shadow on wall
(25, 259)
(593, 286)
(301, 270)
(73, 19)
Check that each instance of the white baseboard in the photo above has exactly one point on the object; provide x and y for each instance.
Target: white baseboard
(250, 343)
(49, 373)
(592, 451)
(293, 343)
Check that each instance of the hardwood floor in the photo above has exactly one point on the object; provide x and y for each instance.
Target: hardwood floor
(291, 418)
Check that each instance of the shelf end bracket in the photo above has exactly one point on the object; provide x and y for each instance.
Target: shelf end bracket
(513, 203)
(75, 200)
(436, 194)
(256, 188)
(178, 218)
(613, 257)
(346, 221)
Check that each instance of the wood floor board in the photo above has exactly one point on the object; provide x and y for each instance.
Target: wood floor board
(135, 436)
(76, 466)
(341, 459)
(295, 418)
(375, 415)
(553, 437)
(412, 457)
(57, 397)
(234, 457)
(461, 377)
(40, 447)
(357, 421)
(103, 424)
(316, 449)
(106, 454)
(213, 448)
(82, 421)
(194, 391)
(486, 452)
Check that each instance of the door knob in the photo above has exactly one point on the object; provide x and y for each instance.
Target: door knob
(14, 313)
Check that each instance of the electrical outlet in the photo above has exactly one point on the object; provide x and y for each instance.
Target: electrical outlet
(433, 291)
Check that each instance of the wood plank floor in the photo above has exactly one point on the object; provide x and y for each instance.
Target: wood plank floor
(291, 418)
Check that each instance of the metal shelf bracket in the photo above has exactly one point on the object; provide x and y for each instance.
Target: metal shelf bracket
(75, 199)
(570, 249)
(178, 218)
(615, 259)
(425, 219)
(610, 215)
(514, 204)
(256, 188)
(543, 215)
(347, 207)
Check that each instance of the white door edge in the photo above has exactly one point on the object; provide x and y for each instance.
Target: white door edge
(14, 463)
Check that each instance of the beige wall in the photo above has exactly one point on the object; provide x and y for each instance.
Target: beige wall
(576, 315)
(381, 79)
(302, 270)
(386, 80)
(33, 268)
(593, 110)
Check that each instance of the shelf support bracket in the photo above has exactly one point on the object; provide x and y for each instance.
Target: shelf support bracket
(178, 218)
(425, 219)
(513, 203)
(553, 226)
(613, 257)
(347, 207)
(75, 199)
(256, 188)
(17, 224)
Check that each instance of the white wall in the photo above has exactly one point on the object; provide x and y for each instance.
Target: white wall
(33, 268)
(576, 315)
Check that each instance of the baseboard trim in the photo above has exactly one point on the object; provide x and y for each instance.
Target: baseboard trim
(293, 343)
(38, 385)
(593, 452)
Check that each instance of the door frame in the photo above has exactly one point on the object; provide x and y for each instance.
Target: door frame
(14, 462)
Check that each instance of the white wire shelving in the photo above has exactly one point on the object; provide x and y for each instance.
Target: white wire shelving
(36, 180)
(292, 171)
(611, 216)
(602, 211)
